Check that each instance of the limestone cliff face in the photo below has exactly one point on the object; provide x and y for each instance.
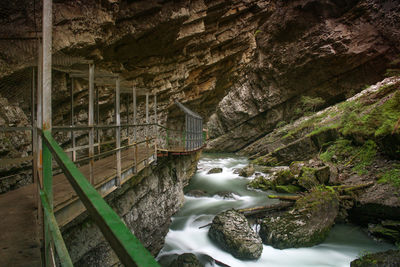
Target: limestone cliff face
(242, 64)
(329, 49)
(146, 204)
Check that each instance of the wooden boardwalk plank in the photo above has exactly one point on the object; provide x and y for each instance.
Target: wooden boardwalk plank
(104, 170)
(19, 237)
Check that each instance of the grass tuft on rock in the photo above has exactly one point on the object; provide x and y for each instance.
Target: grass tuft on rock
(344, 152)
(391, 176)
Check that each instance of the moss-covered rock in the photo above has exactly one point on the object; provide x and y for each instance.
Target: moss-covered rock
(291, 189)
(232, 232)
(266, 160)
(283, 177)
(389, 230)
(214, 170)
(295, 167)
(280, 181)
(260, 182)
(307, 224)
(247, 171)
(186, 260)
(307, 178)
(323, 174)
(390, 258)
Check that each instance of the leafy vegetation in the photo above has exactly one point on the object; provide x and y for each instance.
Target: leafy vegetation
(310, 104)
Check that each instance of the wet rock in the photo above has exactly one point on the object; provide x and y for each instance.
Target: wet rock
(283, 177)
(214, 170)
(323, 174)
(291, 189)
(196, 193)
(388, 230)
(224, 194)
(390, 258)
(333, 174)
(186, 260)
(261, 182)
(376, 203)
(307, 178)
(307, 224)
(267, 160)
(247, 171)
(232, 232)
(295, 167)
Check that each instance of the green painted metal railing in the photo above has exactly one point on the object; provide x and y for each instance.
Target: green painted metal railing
(127, 247)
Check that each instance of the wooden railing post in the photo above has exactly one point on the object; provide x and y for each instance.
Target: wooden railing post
(118, 129)
(72, 88)
(135, 127)
(147, 127)
(155, 126)
(46, 113)
(91, 122)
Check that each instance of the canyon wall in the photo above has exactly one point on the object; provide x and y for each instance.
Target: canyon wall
(146, 204)
(242, 64)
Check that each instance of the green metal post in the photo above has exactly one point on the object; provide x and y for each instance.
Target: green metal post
(50, 220)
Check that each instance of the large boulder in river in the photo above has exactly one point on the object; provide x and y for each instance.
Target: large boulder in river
(247, 171)
(390, 258)
(186, 260)
(214, 170)
(306, 225)
(232, 232)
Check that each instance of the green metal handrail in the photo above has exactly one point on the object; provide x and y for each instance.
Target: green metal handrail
(128, 248)
(59, 244)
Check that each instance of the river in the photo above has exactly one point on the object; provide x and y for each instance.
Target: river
(345, 243)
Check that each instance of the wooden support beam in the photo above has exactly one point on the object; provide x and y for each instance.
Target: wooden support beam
(46, 123)
(155, 125)
(135, 127)
(147, 126)
(72, 88)
(34, 138)
(118, 129)
(98, 120)
(91, 121)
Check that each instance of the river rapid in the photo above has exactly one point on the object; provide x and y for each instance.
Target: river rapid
(345, 243)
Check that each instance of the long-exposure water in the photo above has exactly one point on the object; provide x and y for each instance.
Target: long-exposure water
(345, 243)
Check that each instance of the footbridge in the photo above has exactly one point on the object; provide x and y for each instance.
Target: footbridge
(74, 166)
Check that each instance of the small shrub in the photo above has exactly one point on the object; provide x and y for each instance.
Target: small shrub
(280, 124)
(310, 104)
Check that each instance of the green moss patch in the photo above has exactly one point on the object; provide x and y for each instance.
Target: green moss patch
(361, 119)
(307, 178)
(260, 182)
(343, 151)
(291, 189)
(391, 176)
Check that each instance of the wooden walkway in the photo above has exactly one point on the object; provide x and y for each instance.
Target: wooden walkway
(19, 235)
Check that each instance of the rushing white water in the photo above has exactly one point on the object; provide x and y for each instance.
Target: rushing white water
(344, 244)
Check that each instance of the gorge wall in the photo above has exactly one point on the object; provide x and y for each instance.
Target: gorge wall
(243, 65)
(146, 203)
